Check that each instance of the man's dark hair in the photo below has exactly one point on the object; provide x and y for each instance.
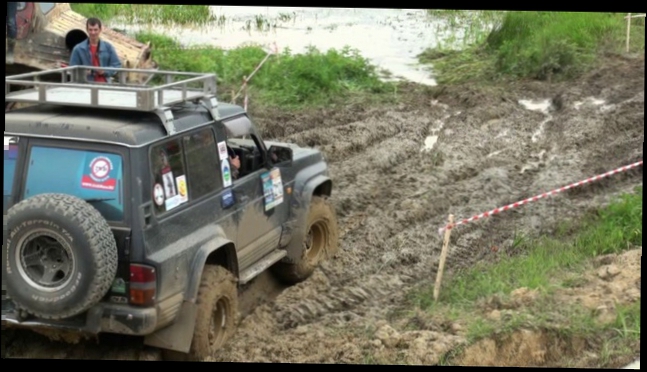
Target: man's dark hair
(93, 22)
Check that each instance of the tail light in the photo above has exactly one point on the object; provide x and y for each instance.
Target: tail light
(143, 285)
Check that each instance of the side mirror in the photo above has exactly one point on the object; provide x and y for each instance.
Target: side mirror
(278, 154)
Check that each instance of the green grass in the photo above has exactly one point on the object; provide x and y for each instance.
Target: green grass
(464, 27)
(452, 67)
(535, 45)
(612, 230)
(290, 81)
(186, 15)
(544, 264)
(617, 339)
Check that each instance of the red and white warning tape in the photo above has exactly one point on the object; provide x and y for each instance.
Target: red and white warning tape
(535, 198)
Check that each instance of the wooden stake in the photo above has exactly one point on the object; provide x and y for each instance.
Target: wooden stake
(628, 30)
(443, 257)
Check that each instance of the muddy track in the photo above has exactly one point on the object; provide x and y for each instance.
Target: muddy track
(400, 171)
(392, 196)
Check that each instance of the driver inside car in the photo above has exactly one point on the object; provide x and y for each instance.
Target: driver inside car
(234, 160)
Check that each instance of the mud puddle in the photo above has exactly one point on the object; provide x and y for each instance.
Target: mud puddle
(390, 38)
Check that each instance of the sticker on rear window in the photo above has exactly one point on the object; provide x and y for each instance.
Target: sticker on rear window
(10, 148)
(99, 175)
(8, 141)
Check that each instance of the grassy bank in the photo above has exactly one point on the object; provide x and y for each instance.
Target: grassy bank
(551, 268)
(311, 79)
(186, 15)
(535, 45)
(290, 81)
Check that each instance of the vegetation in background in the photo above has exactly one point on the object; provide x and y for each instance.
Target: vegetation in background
(291, 81)
(461, 28)
(186, 15)
(536, 45)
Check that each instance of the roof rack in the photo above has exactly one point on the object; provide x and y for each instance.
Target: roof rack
(74, 89)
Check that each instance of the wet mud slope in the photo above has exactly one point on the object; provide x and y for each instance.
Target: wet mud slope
(398, 173)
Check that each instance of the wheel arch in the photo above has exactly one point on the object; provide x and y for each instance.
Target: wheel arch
(179, 335)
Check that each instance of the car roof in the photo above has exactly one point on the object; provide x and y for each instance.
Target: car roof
(122, 127)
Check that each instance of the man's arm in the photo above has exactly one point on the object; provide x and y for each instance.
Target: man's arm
(115, 62)
(75, 58)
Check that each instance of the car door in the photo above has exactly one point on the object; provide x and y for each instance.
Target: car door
(257, 235)
(190, 204)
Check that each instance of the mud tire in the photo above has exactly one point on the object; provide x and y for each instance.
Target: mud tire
(218, 288)
(322, 223)
(81, 245)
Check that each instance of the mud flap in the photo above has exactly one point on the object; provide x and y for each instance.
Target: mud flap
(177, 336)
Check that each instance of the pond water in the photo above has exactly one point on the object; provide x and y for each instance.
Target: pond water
(390, 38)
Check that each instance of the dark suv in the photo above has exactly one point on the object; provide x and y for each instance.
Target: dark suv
(140, 210)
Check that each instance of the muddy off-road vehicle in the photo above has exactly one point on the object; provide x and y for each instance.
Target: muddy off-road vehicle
(47, 33)
(122, 213)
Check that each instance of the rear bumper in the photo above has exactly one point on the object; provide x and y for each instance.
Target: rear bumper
(104, 317)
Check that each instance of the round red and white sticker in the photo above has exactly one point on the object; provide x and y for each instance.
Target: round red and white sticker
(100, 168)
(158, 194)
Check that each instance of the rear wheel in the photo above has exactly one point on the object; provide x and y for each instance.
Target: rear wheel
(217, 315)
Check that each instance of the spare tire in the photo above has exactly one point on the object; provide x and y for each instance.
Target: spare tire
(61, 256)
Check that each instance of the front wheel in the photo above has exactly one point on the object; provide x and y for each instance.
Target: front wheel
(321, 239)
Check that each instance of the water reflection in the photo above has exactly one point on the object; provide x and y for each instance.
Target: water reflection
(390, 38)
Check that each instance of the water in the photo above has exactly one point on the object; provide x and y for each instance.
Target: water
(589, 100)
(544, 108)
(390, 38)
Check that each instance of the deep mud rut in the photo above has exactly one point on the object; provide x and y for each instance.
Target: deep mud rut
(398, 173)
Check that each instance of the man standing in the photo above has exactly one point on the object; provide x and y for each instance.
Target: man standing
(12, 31)
(95, 52)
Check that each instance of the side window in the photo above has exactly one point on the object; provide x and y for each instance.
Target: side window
(10, 156)
(95, 177)
(203, 163)
(243, 147)
(169, 176)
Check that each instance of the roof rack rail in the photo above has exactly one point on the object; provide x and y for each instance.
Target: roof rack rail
(74, 89)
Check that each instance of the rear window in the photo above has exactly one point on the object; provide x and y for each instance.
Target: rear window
(96, 177)
(10, 155)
